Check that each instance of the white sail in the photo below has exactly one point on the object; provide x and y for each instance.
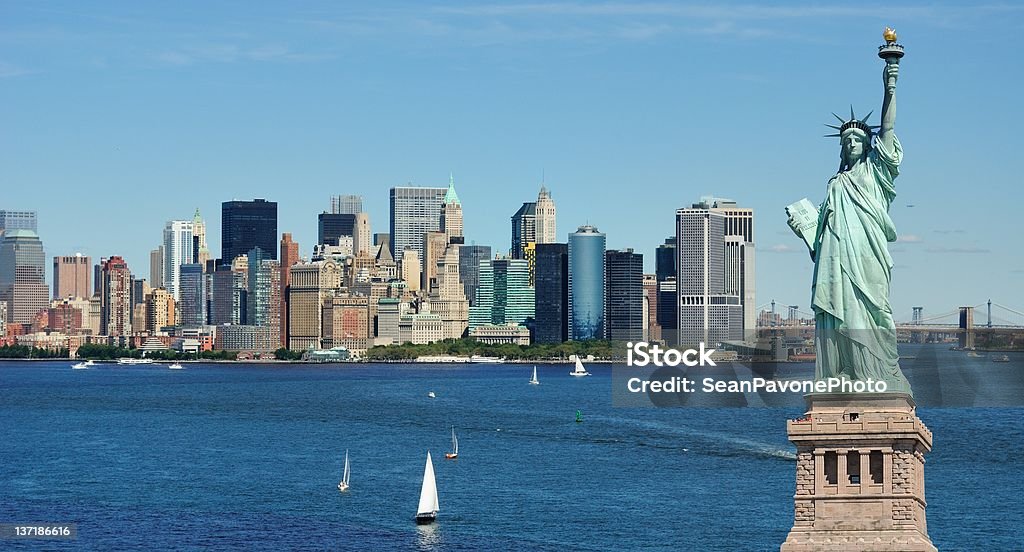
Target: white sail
(534, 380)
(428, 493)
(579, 366)
(455, 443)
(344, 477)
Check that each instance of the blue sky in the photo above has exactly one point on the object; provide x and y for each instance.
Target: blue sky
(119, 116)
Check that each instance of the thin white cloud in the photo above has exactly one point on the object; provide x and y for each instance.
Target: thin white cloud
(779, 248)
(232, 53)
(909, 238)
(969, 250)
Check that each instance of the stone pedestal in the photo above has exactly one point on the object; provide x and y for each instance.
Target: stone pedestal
(859, 475)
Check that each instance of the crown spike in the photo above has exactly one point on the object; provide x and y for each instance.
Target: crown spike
(865, 119)
(840, 119)
(852, 116)
(832, 126)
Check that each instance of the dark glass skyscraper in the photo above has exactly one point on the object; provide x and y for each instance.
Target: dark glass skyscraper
(469, 268)
(524, 229)
(331, 226)
(192, 305)
(248, 224)
(586, 284)
(552, 297)
(665, 268)
(624, 304)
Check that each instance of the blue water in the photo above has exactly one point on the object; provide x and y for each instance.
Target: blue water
(233, 456)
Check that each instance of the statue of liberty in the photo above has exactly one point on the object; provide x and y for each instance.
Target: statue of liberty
(855, 334)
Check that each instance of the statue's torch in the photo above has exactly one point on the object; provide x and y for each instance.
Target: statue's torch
(891, 53)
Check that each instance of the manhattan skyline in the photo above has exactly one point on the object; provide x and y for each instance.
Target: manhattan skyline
(120, 118)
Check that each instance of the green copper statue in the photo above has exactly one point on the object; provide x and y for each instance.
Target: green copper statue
(855, 333)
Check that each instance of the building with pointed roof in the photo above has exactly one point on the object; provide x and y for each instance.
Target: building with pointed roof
(451, 213)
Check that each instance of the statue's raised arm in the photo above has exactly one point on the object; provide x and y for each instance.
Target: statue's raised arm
(885, 132)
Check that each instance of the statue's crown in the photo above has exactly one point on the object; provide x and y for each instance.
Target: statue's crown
(853, 123)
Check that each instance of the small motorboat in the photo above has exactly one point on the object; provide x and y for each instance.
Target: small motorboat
(432, 395)
(1003, 358)
(176, 366)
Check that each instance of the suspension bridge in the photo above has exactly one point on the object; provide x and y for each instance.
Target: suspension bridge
(985, 322)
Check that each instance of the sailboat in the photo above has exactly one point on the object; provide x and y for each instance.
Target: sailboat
(534, 380)
(579, 416)
(427, 510)
(455, 447)
(580, 370)
(343, 484)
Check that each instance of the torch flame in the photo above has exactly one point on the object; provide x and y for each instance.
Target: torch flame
(889, 35)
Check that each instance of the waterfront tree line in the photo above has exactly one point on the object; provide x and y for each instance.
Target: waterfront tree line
(469, 347)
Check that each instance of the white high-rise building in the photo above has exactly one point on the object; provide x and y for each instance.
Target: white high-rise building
(715, 272)
(177, 251)
(544, 218)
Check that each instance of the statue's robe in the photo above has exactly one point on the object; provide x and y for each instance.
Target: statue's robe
(854, 329)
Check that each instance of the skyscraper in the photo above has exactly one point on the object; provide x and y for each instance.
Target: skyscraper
(192, 306)
(264, 276)
(18, 220)
(346, 204)
(707, 313)
(414, 212)
(434, 245)
(739, 280)
(311, 285)
(156, 267)
(410, 267)
(22, 275)
(160, 310)
(177, 251)
(666, 310)
(524, 229)
(545, 218)
(447, 297)
(552, 296)
(504, 295)
(586, 284)
(651, 328)
(71, 276)
(624, 304)
(451, 214)
(248, 224)
(362, 240)
(200, 253)
(331, 227)
(289, 256)
(116, 298)
(469, 267)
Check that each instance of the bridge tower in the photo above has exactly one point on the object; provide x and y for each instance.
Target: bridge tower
(792, 314)
(966, 327)
(989, 313)
(916, 320)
